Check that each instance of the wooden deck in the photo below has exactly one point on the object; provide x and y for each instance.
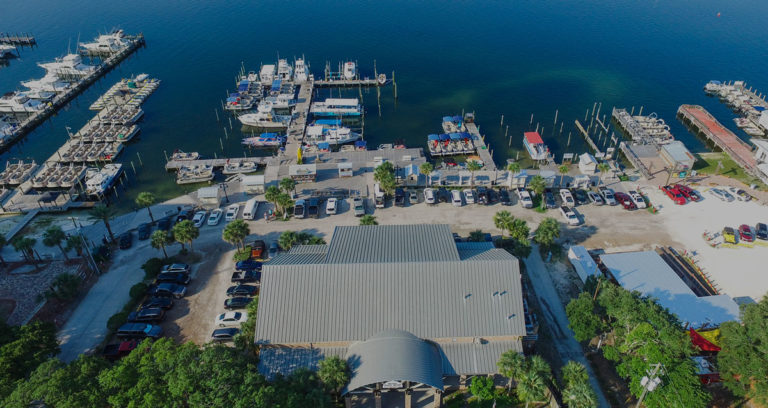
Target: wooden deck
(483, 150)
(17, 39)
(176, 164)
(346, 83)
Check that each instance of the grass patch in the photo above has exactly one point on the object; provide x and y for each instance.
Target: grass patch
(707, 163)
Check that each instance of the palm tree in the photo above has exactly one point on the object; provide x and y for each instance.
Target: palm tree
(519, 230)
(473, 166)
(104, 214)
(368, 220)
(476, 236)
(531, 387)
(159, 240)
(284, 202)
(603, 167)
(538, 185)
(3, 243)
(287, 184)
(75, 242)
(287, 240)
(185, 232)
(579, 395)
(511, 364)
(574, 372)
(25, 245)
(563, 170)
(537, 364)
(514, 167)
(547, 232)
(427, 169)
(271, 194)
(145, 199)
(235, 232)
(503, 221)
(333, 373)
(54, 236)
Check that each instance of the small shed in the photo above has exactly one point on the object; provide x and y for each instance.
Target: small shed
(253, 184)
(303, 173)
(209, 197)
(676, 156)
(582, 262)
(587, 164)
(410, 174)
(345, 170)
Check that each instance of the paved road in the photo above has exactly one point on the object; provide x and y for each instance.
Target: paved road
(557, 320)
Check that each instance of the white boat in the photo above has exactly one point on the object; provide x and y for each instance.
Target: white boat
(239, 167)
(267, 74)
(335, 107)
(71, 65)
(535, 146)
(98, 181)
(284, 70)
(281, 101)
(6, 50)
(49, 83)
(39, 95)
(335, 135)
(263, 120)
(178, 155)
(106, 43)
(194, 174)
(713, 87)
(350, 70)
(7, 128)
(251, 77)
(18, 102)
(301, 71)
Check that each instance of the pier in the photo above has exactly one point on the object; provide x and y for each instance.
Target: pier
(60, 100)
(297, 129)
(348, 83)
(588, 138)
(18, 39)
(177, 164)
(482, 148)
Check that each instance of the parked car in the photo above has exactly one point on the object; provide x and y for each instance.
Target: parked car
(570, 216)
(567, 197)
(181, 278)
(237, 303)
(126, 240)
(331, 206)
(358, 206)
(493, 196)
(674, 194)
(625, 200)
(429, 196)
(595, 198)
(164, 224)
(469, 196)
(273, 249)
(144, 231)
(184, 215)
(300, 209)
(258, 249)
(399, 197)
(199, 218)
(248, 265)
(688, 192)
(443, 195)
(149, 315)
(168, 290)
(115, 352)
(549, 199)
(246, 276)
(232, 211)
(313, 208)
(729, 235)
(720, 194)
(139, 331)
(242, 290)
(413, 197)
(161, 302)
(637, 198)
(231, 319)
(745, 233)
(608, 196)
(225, 335)
(482, 195)
(524, 197)
(177, 267)
(456, 199)
(740, 194)
(580, 196)
(504, 197)
(761, 231)
(215, 217)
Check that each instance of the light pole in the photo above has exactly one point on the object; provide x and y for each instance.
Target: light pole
(224, 187)
(650, 382)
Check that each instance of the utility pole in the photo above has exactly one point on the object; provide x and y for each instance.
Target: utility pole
(650, 382)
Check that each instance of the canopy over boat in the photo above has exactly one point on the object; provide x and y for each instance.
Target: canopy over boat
(444, 137)
(360, 143)
(328, 122)
(323, 146)
(433, 137)
(276, 85)
(533, 138)
(455, 136)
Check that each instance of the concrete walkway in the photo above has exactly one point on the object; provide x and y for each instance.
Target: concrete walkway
(557, 320)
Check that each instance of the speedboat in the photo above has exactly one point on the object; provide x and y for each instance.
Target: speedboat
(7, 128)
(333, 135)
(98, 181)
(301, 71)
(713, 87)
(239, 167)
(535, 146)
(284, 70)
(71, 65)
(239, 101)
(6, 50)
(265, 117)
(334, 107)
(18, 102)
(265, 140)
(194, 174)
(281, 101)
(350, 70)
(452, 124)
(178, 155)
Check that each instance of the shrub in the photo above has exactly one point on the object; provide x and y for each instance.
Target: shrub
(117, 320)
(152, 267)
(138, 290)
(242, 254)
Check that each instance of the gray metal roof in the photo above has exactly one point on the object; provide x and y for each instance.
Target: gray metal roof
(309, 249)
(285, 360)
(301, 254)
(392, 243)
(349, 302)
(475, 358)
(393, 355)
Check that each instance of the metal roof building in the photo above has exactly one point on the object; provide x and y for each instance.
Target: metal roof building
(404, 304)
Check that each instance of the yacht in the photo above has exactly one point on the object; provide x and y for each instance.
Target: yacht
(178, 155)
(194, 174)
(284, 70)
(265, 140)
(7, 128)
(301, 71)
(713, 87)
(333, 135)
(350, 70)
(281, 101)
(334, 107)
(267, 74)
(49, 83)
(18, 102)
(106, 43)
(6, 50)
(535, 146)
(99, 181)
(239, 167)
(71, 65)
(251, 77)
(39, 95)
(264, 117)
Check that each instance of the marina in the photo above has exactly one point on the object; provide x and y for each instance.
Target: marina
(746, 102)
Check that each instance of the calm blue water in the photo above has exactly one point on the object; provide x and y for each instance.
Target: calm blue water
(514, 58)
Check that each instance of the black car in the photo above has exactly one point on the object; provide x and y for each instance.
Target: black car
(482, 195)
(399, 197)
(493, 196)
(246, 276)
(144, 231)
(761, 231)
(139, 331)
(181, 278)
(580, 196)
(443, 195)
(549, 199)
(161, 302)
(164, 224)
(313, 208)
(237, 303)
(504, 197)
(148, 315)
(126, 240)
(184, 215)
(226, 334)
(242, 290)
(168, 290)
(248, 265)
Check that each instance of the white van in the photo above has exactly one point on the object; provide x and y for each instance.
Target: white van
(250, 209)
(456, 198)
(378, 195)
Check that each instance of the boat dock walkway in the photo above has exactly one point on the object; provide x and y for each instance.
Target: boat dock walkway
(704, 123)
(587, 137)
(347, 83)
(297, 129)
(17, 39)
(177, 164)
(60, 100)
(482, 149)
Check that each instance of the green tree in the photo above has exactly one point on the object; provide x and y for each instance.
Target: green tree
(244, 340)
(104, 214)
(146, 199)
(603, 167)
(284, 202)
(511, 364)
(54, 236)
(538, 185)
(76, 243)
(305, 238)
(24, 348)
(579, 395)
(287, 240)
(426, 169)
(159, 240)
(514, 167)
(333, 373)
(563, 170)
(476, 236)
(531, 387)
(368, 220)
(503, 221)
(384, 174)
(574, 372)
(185, 232)
(26, 246)
(65, 286)
(271, 194)
(235, 233)
(519, 231)
(287, 184)
(472, 167)
(547, 232)
(582, 317)
(482, 387)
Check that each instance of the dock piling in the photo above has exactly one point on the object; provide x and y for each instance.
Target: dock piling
(140, 162)
(216, 111)
(134, 168)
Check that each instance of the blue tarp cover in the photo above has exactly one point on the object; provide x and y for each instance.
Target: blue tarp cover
(433, 137)
(758, 108)
(444, 137)
(323, 145)
(455, 136)
(457, 119)
(242, 88)
(276, 85)
(715, 82)
(447, 118)
(328, 122)
(360, 143)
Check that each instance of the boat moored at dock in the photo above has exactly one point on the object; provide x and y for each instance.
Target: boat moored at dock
(265, 140)
(69, 66)
(535, 146)
(336, 107)
(194, 174)
(98, 181)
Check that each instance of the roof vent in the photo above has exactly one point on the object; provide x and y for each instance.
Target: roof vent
(512, 316)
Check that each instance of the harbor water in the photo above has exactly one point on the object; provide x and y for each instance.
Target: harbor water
(516, 59)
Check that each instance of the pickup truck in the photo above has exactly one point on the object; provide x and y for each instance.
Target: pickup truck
(246, 276)
(116, 351)
(313, 208)
(258, 248)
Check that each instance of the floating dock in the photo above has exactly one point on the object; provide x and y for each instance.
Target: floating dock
(215, 163)
(482, 149)
(746, 102)
(650, 130)
(348, 83)
(17, 39)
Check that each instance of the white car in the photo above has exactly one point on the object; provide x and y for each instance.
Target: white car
(637, 198)
(721, 194)
(737, 193)
(331, 206)
(232, 211)
(456, 198)
(595, 198)
(469, 195)
(567, 197)
(570, 216)
(524, 197)
(199, 218)
(413, 197)
(608, 197)
(429, 196)
(231, 319)
(215, 217)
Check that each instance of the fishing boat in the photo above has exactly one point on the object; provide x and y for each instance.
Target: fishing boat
(178, 155)
(194, 174)
(264, 140)
(535, 146)
(713, 87)
(98, 181)
(335, 107)
(7, 127)
(333, 135)
(239, 167)
(300, 71)
(284, 70)
(265, 118)
(106, 43)
(18, 102)
(350, 70)
(49, 83)
(453, 124)
(267, 74)
(69, 66)
(281, 101)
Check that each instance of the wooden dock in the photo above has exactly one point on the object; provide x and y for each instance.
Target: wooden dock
(17, 39)
(177, 164)
(587, 137)
(482, 149)
(347, 83)
(297, 129)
